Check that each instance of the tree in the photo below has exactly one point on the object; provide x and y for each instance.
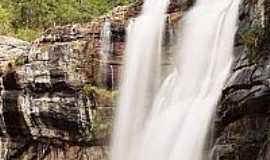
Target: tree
(25, 17)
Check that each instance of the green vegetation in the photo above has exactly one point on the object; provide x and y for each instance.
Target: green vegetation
(5, 20)
(252, 37)
(102, 98)
(101, 127)
(100, 94)
(26, 19)
(21, 60)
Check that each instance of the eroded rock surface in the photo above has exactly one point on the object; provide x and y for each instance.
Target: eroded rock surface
(242, 121)
(44, 112)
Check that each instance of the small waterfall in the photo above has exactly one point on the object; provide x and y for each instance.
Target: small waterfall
(173, 123)
(106, 47)
(112, 76)
(130, 25)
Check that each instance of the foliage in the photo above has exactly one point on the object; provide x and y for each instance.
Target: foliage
(100, 126)
(21, 60)
(101, 94)
(5, 20)
(252, 37)
(26, 34)
(27, 18)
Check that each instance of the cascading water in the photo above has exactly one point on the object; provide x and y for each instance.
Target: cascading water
(175, 124)
(112, 76)
(106, 47)
(130, 25)
(140, 75)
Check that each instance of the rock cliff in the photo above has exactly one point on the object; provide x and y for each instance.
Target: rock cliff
(242, 120)
(44, 112)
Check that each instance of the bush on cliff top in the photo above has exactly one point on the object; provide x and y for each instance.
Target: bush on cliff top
(27, 18)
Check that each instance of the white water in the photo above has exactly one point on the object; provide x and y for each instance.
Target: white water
(106, 47)
(142, 53)
(130, 25)
(175, 125)
(112, 76)
(106, 44)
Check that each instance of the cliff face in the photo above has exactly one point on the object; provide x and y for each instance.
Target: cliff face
(242, 120)
(44, 112)
(58, 96)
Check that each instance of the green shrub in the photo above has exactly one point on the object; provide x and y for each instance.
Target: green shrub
(102, 95)
(101, 127)
(27, 18)
(252, 37)
(5, 20)
(26, 34)
(21, 60)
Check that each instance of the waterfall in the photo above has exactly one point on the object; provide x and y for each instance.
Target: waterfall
(172, 123)
(140, 74)
(112, 76)
(130, 25)
(106, 47)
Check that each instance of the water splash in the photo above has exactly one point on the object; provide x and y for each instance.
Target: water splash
(174, 125)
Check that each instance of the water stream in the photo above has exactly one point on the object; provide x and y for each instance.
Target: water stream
(172, 122)
(106, 48)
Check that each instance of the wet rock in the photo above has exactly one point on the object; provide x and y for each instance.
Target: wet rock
(43, 111)
(242, 121)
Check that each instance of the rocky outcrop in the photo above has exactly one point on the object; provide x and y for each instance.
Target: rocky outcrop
(242, 121)
(44, 112)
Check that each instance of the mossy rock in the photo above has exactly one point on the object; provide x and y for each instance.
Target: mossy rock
(101, 95)
(21, 60)
(253, 37)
